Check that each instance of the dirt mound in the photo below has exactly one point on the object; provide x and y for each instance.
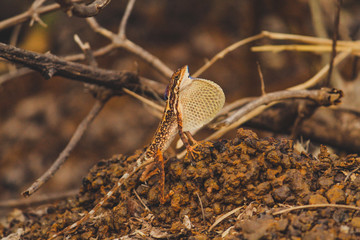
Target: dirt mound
(249, 178)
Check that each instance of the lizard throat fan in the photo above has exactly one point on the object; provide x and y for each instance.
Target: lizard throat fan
(199, 100)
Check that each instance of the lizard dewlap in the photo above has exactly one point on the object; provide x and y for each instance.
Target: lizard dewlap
(199, 102)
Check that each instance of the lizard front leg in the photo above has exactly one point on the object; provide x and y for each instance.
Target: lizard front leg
(191, 139)
(186, 137)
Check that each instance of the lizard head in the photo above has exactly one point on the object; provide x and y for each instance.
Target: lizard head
(179, 80)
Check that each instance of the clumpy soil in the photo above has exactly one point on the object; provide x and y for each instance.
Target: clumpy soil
(247, 178)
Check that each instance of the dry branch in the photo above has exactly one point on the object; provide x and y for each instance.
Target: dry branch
(324, 97)
(327, 205)
(82, 10)
(50, 65)
(335, 127)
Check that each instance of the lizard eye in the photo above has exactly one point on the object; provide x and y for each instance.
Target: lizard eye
(177, 77)
(166, 94)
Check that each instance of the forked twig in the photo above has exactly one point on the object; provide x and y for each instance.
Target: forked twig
(35, 16)
(22, 17)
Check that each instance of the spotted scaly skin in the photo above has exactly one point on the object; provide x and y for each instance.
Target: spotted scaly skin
(182, 94)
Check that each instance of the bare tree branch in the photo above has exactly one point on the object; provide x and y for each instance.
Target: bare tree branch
(324, 97)
(50, 65)
(35, 15)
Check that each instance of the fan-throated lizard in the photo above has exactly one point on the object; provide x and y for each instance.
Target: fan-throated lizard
(191, 103)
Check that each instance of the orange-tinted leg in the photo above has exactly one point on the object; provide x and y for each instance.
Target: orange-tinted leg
(159, 159)
(185, 137)
(149, 172)
(159, 166)
(191, 140)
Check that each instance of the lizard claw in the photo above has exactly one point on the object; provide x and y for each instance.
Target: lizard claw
(191, 150)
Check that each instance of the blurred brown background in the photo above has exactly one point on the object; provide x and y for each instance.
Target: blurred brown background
(38, 117)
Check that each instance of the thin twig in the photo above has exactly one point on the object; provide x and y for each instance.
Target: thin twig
(224, 216)
(275, 36)
(35, 15)
(263, 93)
(79, 131)
(69, 147)
(22, 17)
(350, 173)
(317, 18)
(122, 26)
(13, 41)
(317, 206)
(142, 202)
(227, 50)
(319, 25)
(202, 207)
(254, 108)
(98, 29)
(234, 105)
(146, 101)
(148, 57)
(322, 73)
(305, 39)
(335, 37)
(355, 50)
(38, 200)
(15, 35)
(85, 47)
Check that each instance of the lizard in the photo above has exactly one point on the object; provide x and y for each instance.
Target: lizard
(191, 103)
